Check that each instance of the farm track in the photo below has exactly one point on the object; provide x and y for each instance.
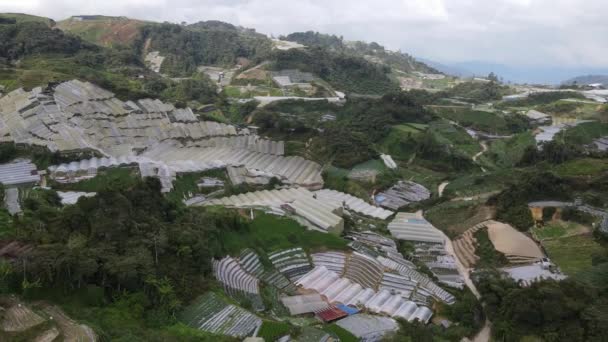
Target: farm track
(71, 330)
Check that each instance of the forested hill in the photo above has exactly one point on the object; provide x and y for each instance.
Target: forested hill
(371, 51)
(187, 47)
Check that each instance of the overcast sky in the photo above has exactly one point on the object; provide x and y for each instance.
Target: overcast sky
(564, 33)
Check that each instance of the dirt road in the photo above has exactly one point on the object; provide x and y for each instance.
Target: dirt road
(441, 187)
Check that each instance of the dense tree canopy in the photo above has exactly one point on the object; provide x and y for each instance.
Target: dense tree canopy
(188, 48)
(29, 38)
(553, 311)
(121, 239)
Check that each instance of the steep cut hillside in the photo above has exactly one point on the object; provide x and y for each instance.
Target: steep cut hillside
(373, 51)
(102, 30)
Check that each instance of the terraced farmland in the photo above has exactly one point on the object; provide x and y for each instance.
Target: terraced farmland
(212, 314)
(20, 318)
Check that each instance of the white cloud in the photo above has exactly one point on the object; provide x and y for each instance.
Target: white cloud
(515, 32)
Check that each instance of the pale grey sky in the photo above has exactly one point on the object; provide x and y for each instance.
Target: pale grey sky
(561, 33)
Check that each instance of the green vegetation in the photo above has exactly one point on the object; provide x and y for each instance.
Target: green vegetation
(269, 233)
(454, 137)
(585, 133)
(187, 48)
(271, 331)
(489, 257)
(586, 167)
(555, 230)
(345, 72)
(397, 60)
(473, 184)
(506, 153)
(511, 204)
(550, 310)
(5, 222)
(186, 185)
(401, 141)
(343, 334)
(22, 18)
(478, 92)
(112, 178)
(572, 254)
(542, 98)
(455, 217)
(489, 122)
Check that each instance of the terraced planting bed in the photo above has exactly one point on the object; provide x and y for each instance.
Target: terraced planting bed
(572, 254)
(212, 314)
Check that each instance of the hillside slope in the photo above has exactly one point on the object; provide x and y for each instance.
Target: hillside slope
(102, 30)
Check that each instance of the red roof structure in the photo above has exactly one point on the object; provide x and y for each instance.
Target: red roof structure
(331, 314)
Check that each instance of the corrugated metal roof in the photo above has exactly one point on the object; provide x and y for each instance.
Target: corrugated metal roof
(20, 172)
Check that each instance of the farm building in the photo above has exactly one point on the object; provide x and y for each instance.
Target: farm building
(402, 194)
(413, 227)
(323, 209)
(368, 328)
(528, 274)
(292, 77)
(339, 290)
(302, 304)
(19, 173)
(538, 117)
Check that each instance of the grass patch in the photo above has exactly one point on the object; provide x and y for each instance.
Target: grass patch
(479, 120)
(343, 334)
(556, 229)
(585, 133)
(271, 331)
(458, 216)
(186, 184)
(455, 137)
(582, 167)
(112, 178)
(573, 254)
(508, 152)
(271, 233)
(372, 165)
(6, 228)
(479, 183)
(401, 141)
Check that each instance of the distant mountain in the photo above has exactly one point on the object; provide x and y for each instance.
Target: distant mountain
(551, 75)
(447, 69)
(588, 79)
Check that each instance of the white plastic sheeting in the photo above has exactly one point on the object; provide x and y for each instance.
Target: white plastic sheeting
(71, 197)
(230, 273)
(343, 290)
(299, 200)
(353, 203)
(412, 227)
